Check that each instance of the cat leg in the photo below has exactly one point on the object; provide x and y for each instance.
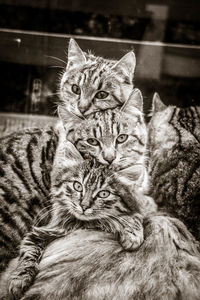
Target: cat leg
(30, 253)
(131, 235)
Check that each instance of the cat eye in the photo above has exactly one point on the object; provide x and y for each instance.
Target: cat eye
(76, 89)
(78, 186)
(101, 95)
(93, 142)
(103, 194)
(122, 138)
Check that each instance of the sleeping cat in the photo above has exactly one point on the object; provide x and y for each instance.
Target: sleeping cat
(92, 83)
(174, 144)
(26, 160)
(88, 195)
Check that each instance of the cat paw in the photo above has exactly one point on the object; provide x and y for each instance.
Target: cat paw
(130, 241)
(19, 283)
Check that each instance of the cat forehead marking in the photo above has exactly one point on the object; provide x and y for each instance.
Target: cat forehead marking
(95, 177)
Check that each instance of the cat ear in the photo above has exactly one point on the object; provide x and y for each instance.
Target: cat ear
(135, 100)
(130, 175)
(157, 104)
(68, 119)
(72, 154)
(75, 55)
(67, 156)
(126, 65)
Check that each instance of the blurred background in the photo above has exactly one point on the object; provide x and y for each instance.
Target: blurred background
(34, 36)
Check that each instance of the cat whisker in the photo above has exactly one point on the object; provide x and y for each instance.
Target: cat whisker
(59, 59)
(116, 218)
(65, 51)
(45, 208)
(45, 214)
(53, 94)
(129, 166)
(82, 116)
(66, 221)
(59, 67)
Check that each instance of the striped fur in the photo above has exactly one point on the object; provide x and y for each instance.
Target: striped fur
(87, 76)
(25, 163)
(114, 136)
(90, 265)
(174, 143)
(84, 195)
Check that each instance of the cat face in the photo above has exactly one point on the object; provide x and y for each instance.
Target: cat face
(171, 126)
(161, 132)
(86, 191)
(92, 83)
(116, 137)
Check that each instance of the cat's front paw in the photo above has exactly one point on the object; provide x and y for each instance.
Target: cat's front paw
(18, 286)
(20, 282)
(131, 241)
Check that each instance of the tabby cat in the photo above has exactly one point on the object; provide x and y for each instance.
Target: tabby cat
(92, 83)
(84, 195)
(26, 160)
(174, 143)
(114, 136)
(90, 265)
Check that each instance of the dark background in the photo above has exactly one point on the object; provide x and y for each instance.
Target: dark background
(165, 36)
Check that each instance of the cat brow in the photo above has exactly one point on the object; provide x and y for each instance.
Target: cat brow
(139, 140)
(100, 85)
(95, 78)
(94, 132)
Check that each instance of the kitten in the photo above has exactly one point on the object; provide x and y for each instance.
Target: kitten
(114, 136)
(174, 144)
(84, 195)
(92, 83)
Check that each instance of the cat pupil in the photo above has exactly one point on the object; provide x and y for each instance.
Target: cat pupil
(92, 142)
(103, 194)
(101, 95)
(122, 138)
(76, 89)
(78, 186)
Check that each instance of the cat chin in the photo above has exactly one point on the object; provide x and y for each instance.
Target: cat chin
(91, 110)
(84, 216)
(118, 165)
(75, 111)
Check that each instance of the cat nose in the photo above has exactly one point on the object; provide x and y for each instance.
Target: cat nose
(109, 154)
(109, 159)
(85, 204)
(84, 207)
(83, 106)
(82, 109)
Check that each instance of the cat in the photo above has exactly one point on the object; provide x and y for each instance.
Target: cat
(26, 160)
(92, 83)
(113, 136)
(89, 264)
(84, 195)
(174, 163)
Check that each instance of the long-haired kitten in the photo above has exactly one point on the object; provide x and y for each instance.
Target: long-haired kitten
(85, 194)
